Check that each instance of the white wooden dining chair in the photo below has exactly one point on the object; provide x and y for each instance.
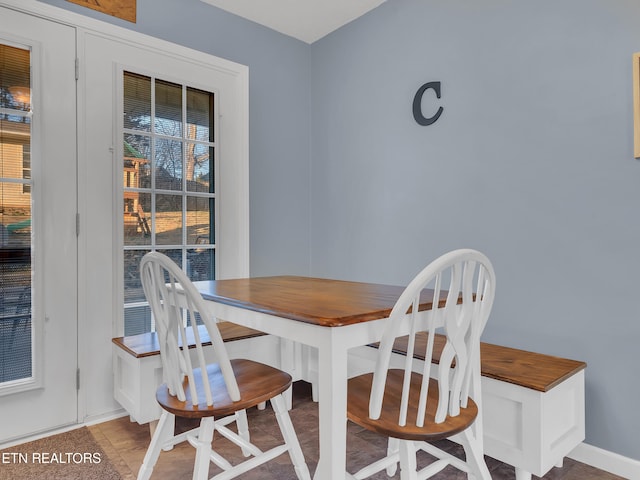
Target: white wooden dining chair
(425, 402)
(216, 393)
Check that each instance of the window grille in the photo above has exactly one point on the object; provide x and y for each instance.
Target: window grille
(169, 178)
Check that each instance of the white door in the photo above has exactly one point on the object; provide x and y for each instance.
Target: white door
(105, 62)
(38, 308)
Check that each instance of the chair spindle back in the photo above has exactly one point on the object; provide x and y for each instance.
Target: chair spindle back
(452, 295)
(177, 308)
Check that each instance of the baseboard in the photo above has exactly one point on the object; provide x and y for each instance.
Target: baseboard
(47, 433)
(105, 417)
(38, 435)
(608, 461)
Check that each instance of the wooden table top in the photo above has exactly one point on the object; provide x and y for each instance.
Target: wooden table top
(324, 302)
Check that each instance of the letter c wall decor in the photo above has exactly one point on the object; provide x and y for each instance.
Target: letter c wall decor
(417, 104)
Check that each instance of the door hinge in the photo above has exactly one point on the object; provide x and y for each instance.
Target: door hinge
(78, 379)
(77, 224)
(77, 68)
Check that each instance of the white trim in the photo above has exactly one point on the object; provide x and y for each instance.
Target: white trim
(38, 436)
(608, 461)
(105, 417)
(49, 433)
(115, 32)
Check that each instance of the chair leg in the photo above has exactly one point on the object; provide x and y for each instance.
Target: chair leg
(408, 464)
(172, 429)
(474, 456)
(288, 397)
(243, 429)
(392, 447)
(203, 449)
(290, 438)
(162, 433)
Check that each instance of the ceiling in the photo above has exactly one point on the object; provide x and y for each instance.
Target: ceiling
(306, 20)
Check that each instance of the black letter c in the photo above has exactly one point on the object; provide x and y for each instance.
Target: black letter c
(417, 104)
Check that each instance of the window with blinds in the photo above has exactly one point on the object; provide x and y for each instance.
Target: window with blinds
(168, 171)
(16, 332)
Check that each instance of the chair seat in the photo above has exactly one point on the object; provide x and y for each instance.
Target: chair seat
(257, 383)
(359, 390)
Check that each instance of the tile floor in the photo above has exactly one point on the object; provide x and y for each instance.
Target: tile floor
(125, 443)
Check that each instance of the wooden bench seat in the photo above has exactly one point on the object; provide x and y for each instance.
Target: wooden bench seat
(528, 369)
(146, 344)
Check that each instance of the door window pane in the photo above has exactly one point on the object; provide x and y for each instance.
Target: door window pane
(200, 263)
(168, 219)
(168, 117)
(199, 171)
(168, 164)
(137, 183)
(199, 220)
(199, 115)
(137, 102)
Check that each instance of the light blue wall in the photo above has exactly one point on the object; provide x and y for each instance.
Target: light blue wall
(530, 162)
(279, 117)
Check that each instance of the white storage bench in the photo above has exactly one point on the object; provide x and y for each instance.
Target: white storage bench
(533, 403)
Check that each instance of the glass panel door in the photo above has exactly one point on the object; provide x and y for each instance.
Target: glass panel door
(38, 242)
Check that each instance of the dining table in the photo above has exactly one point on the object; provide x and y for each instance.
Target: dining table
(331, 315)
